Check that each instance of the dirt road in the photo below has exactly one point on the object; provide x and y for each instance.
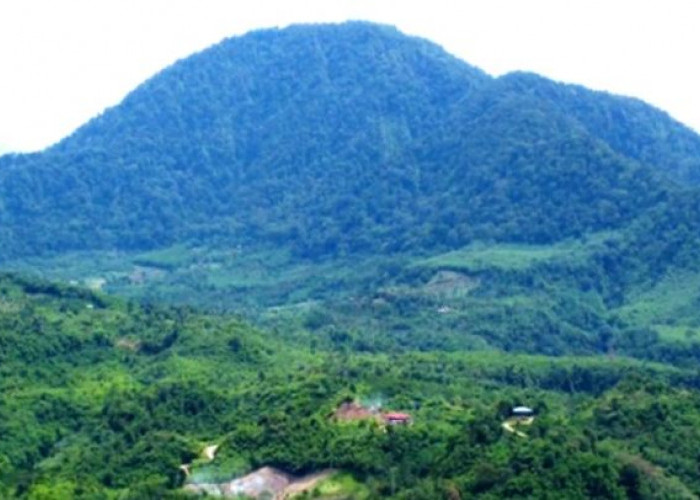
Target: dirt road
(509, 425)
(210, 452)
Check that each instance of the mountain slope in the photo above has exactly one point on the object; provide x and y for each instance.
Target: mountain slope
(628, 125)
(342, 139)
(209, 140)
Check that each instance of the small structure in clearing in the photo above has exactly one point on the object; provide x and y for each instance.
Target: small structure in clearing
(140, 275)
(522, 413)
(95, 283)
(519, 416)
(352, 410)
(128, 344)
(396, 418)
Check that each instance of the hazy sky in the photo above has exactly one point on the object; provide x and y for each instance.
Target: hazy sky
(64, 61)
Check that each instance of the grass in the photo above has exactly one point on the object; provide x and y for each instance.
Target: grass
(218, 278)
(75, 266)
(478, 258)
(167, 258)
(678, 333)
(508, 257)
(222, 469)
(250, 280)
(671, 303)
(341, 485)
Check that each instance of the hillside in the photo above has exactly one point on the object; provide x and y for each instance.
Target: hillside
(324, 181)
(336, 140)
(361, 221)
(108, 399)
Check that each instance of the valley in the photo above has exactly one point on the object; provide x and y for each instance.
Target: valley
(555, 298)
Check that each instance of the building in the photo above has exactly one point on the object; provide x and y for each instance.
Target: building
(397, 418)
(522, 412)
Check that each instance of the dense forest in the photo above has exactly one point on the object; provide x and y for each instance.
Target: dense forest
(301, 220)
(106, 399)
(341, 140)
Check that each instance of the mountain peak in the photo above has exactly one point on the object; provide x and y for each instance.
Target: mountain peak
(340, 138)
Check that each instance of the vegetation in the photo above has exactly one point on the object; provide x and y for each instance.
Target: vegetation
(344, 140)
(108, 398)
(357, 216)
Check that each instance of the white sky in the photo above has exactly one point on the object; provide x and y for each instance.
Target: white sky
(64, 61)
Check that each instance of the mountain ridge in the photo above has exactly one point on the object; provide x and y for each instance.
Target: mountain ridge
(342, 139)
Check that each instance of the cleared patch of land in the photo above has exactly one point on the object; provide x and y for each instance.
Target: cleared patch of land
(511, 425)
(510, 257)
(673, 302)
(210, 451)
(266, 482)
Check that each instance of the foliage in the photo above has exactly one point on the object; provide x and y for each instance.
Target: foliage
(87, 414)
(342, 140)
(405, 229)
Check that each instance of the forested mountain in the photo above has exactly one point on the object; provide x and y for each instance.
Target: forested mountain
(409, 234)
(318, 166)
(628, 125)
(343, 139)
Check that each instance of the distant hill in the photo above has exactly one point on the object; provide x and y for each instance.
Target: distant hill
(343, 140)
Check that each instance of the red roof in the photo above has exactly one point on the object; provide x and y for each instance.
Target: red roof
(397, 416)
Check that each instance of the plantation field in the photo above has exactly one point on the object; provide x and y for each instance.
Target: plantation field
(511, 257)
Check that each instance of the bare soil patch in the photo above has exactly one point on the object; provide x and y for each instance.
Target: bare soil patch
(263, 483)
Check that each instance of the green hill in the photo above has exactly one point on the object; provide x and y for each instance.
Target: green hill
(343, 140)
(107, 399)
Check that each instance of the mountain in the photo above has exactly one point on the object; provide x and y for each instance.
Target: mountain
(341, 140)
(331, 168)
(628, 125)
(409, 235)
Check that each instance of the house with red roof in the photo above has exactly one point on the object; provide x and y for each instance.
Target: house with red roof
(396, 418)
